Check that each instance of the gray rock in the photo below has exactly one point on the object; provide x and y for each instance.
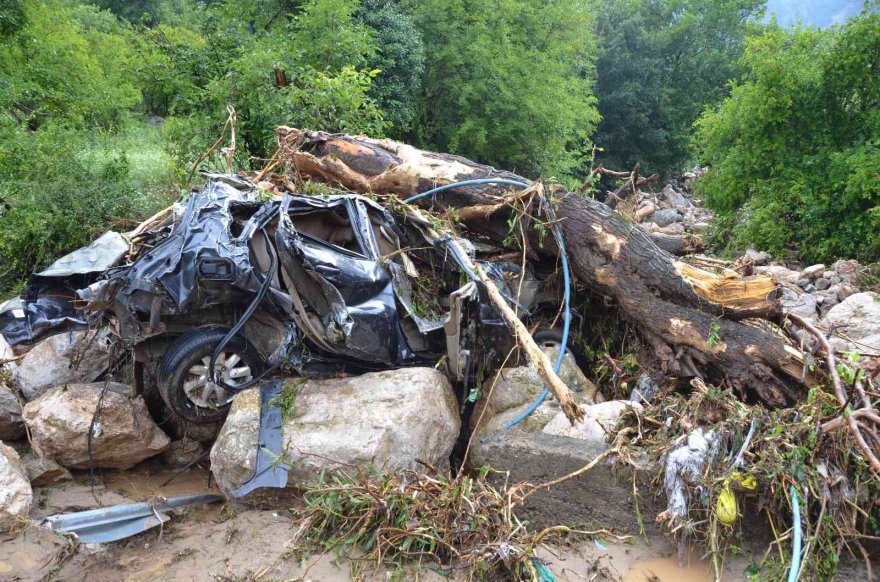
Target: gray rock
(11, 423)
(79, 356)
(666, 216)
(673, 229)
(809, 288)
(758, 257)
(779, 273)
(857, 317)
(850, 268)
(699, 227)
(124, 435)
(183, 452)
(813, 271)
(822, 284)
(385, 420)
(599, 421)
(45, 472)
(16, 494)
(518, 387)
(802, 305)
(845, 290)
(602, 496)
(674, 198)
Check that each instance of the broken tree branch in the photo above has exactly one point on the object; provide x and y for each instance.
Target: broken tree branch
(839, 392)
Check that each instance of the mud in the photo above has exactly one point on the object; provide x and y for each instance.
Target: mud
(221, 542)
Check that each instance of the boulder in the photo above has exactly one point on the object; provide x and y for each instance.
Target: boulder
(11, 423)
(123, 436)
(848, 269)
(674, 229)
(16, 494)
(856, 318)
(844, 290)
(758, 257)
(674, 198)
(183, 452)
(76, 356)
(666, 216)
(384, 420)
(779, 273)
(822, 284)
(517, 388)
(800, 304)
(599, 421)
(44, 472)
(813, 272)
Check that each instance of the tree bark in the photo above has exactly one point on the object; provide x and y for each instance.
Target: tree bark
(689, 315)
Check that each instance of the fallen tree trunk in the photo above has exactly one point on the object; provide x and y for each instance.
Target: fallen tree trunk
(689, 315)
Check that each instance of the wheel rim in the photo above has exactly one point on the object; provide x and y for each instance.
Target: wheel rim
(203, 393)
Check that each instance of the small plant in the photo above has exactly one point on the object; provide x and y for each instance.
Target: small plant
(714, 337)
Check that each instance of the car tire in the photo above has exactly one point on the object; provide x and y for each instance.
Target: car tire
(183, 378)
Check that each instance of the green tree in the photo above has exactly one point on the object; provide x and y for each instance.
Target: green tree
(66, 61)
(662, 63)
(508, 82)
(794, 150)
(400, 58)
(276, 63)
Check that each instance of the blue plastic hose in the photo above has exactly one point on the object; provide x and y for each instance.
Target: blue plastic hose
(566, 318)
(796, 544)
(433, 191)
(566, 321)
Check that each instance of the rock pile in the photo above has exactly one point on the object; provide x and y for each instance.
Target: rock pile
(673, 211)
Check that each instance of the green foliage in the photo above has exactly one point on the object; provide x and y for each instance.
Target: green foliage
(305, 68)
(661, 64)
(400, 57)
(794, 150)
(66, 61)
(508, 82)
(60, 190)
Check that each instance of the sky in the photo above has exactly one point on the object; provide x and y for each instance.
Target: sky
(819, 13)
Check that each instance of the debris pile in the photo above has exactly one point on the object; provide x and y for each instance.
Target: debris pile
(398, 313)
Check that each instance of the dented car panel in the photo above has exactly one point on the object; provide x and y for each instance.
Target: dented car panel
(344, 282)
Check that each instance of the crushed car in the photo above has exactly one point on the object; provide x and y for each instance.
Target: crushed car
(242, 283)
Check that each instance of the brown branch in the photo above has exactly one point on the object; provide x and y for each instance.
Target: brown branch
(849, 419)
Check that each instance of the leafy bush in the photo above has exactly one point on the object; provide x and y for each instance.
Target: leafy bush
(794, 150)
(58, 193)
(305, 66)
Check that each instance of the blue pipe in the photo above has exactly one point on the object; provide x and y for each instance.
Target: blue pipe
(796, 544)
(433, 191)
(566, 321)
(566, 318)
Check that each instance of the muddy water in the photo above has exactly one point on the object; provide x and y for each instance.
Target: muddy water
(666, 569)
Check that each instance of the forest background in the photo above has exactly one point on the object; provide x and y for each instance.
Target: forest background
(106, 104)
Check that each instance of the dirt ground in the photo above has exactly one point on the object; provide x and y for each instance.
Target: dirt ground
(221, 543)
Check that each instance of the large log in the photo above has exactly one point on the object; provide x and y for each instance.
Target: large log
(689, 315)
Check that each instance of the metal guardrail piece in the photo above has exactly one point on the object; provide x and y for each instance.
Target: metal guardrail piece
(270, 470)
(108, 524)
